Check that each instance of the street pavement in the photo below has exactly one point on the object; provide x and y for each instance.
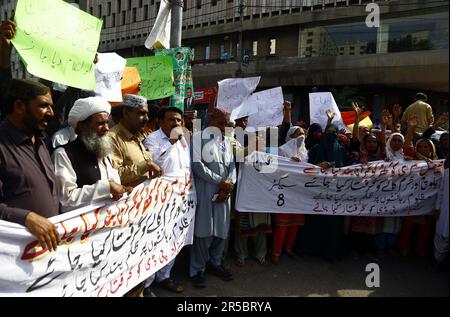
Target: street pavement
(313, 277)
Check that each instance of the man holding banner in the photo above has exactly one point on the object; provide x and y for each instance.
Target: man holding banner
(169, 150)
(84, 166)
(28, 186)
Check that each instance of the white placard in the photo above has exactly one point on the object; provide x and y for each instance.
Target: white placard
(233, 91)
(108, 74)
(270, 108)
(319, 103)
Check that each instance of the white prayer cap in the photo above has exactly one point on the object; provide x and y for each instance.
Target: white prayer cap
(86, 107)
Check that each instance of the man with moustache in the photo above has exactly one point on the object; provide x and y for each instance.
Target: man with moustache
(130, 157)
(169, 150)
(28, 186)
(84, 166)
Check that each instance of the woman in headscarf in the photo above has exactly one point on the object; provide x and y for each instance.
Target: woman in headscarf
(287, 225)
(315, 135)
(424, 150)
(365, 229)
(389, 227)
(323, 235)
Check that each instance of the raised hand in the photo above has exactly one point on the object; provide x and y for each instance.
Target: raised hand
(386, 119)
(287, 105)
(397, 110)
(330, 115)
(441, 120)
(356, 108)
(7, 32)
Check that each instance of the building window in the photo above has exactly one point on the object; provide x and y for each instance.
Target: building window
(134, 14)
(124, 17)
(99, 10)
(113, 20)
(129, 4)
(140, 3)
(199, 4)
(213, 3)
(309, 41)
(273, 46)
(207, 52)
(255, 48)
(109, 8)
(146, 12)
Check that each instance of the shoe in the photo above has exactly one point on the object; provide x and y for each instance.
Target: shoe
(221, 272)
(275, 259)
(239, 262)
(171, 285)
(148, 292)
(263, 262)
(198, 281)
(291, 254)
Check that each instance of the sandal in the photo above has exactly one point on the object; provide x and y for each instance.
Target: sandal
(171, 285)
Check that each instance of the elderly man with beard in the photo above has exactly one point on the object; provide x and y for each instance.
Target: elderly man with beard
(28, 186)
(84, 166)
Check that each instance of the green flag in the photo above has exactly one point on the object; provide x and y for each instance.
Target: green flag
(57, 41)
(181, 59)
(156, 75)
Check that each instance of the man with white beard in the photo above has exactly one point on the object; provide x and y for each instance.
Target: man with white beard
(84, 166)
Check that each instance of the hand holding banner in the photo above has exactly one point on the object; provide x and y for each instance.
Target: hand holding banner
(319, 103)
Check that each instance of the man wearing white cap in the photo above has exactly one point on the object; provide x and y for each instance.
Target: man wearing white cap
(84, 166)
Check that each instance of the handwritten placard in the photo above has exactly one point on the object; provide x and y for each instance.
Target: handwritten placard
(156, 74)
(233, 91)
(108, 75)
(319, 103)
(269, 105)
(377, 189)
(57, 41)
(105, 250)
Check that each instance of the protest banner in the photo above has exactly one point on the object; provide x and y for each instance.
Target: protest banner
(108, 74)
(159, 36)
(181, 58)
(269, 112)
(57, 41)
(319, 103)
(156, 75)
(233, 91)
(379, 188)
(105, 250)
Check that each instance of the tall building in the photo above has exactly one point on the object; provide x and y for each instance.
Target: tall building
(298, 44)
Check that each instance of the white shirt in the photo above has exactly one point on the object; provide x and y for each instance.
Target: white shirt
(174, 159)
(73, 197)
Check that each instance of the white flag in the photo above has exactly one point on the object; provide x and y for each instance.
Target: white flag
(160, 34)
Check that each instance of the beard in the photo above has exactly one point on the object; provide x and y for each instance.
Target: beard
(101, 146)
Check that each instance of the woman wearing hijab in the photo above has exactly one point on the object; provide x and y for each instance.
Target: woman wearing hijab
(287, 225)
(424, 150)
(323, 235)
(315, 135)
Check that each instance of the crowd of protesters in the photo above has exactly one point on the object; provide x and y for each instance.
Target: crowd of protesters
(62, 151)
